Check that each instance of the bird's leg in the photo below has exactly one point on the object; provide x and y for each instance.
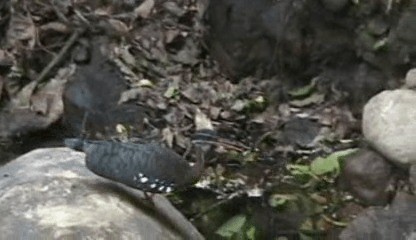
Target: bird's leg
(187, 151)
(83, 125)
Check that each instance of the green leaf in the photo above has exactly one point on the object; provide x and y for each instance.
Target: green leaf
(303, 91)
(280, 199)
(315, 98)
(321, 166)
(298, 169)
(251, 233)
(329, 164)
(171, 92)
(380, 44)
(232, 226)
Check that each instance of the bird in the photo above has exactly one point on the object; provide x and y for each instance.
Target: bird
(149, 167)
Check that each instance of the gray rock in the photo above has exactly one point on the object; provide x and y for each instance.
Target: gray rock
(49, 194)
(367, 175)
(398, 221)
(389, 125)
(412, 177)
(410, 80)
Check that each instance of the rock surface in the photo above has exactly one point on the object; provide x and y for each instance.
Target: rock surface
(398, 221)
(367, 176)
(49, 194)
(410, 80)
(389, 125)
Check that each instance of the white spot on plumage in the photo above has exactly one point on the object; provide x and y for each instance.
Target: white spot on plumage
(161, 188)
(140, 175)
(144, 179)
(168, 189)
(153, 185)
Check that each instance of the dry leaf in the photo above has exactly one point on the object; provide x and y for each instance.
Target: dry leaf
(202, 121)
(315, 98)
(168, 136)
(129, 95)
(6, 59)
(21, 28)
(55, 27)
(144, 9)
(118, 26)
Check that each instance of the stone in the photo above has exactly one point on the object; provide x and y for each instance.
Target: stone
(50, 194)
(412, 177)
(389, 125)
(398, 221)
(410, 80)
(367, 175)
(300, 132)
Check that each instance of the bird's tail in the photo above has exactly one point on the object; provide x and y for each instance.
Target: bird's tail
(75, 143)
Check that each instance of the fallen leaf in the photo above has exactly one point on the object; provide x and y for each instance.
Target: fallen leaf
(144, 9)
(55, 27)
(192, 94)
(330, 163)
(6, 59)
(239, 105)
(144, 83)
(129, 95)
(171, 92)
(214, 112)
(304, 91)
(21, 28)
(232, 226)
(118, 26)
(315, 98)
(202, 121)
(168, 136)
(173, 8)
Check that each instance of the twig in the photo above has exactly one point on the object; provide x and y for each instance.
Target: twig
(228, 145)
(58, 58)
(23, 99)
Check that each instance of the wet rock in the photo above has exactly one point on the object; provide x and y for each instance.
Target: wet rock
(49, 194)
(389, 125)
(367, 175)
(398, 221)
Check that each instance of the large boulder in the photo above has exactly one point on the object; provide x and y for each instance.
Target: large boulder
(49, 194)
(389, 125)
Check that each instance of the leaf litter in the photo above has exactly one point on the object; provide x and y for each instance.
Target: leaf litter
(159, 49)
